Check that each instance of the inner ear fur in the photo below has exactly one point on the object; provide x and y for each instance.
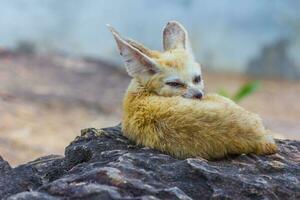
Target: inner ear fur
(139, 46)
(137, 62)
(175, 36)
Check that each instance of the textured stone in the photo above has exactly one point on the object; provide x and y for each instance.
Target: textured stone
(102, 164)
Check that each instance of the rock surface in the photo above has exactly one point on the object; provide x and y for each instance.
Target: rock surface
(102, 164)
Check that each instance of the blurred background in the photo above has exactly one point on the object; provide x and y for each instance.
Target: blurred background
(60, 70)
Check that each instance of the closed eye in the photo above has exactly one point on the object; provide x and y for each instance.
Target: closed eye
(175, 84)
(197, 79)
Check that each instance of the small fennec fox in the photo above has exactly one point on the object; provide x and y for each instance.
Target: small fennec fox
(164, 107)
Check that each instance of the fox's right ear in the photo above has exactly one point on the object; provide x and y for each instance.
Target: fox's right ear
(175, 36)
(136, 62)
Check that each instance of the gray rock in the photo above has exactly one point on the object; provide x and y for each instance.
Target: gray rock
(102, 164)
(274, 61)
(22, 178)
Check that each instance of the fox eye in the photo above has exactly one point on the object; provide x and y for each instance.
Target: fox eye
(197, 79)
(175, 84)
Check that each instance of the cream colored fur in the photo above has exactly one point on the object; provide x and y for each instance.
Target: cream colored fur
(158, 116)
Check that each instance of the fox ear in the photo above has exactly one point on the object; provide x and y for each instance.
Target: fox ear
(175, 36)
(136, 61)
(139, 46)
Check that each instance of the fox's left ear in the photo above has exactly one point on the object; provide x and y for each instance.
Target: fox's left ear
(175, 36)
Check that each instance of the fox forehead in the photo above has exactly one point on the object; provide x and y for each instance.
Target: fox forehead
(176, 58)
(177, 63)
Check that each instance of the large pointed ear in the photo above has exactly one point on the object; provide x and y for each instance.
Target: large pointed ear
(136, 62)
(139, 46)
(175, 36)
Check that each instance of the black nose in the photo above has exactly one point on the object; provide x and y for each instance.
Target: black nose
(198, 95)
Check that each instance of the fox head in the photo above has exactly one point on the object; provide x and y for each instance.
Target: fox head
(173, 72)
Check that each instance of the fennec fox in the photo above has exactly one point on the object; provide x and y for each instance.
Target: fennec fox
(164, 107)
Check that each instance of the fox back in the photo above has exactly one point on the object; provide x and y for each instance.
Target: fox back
(165, 107)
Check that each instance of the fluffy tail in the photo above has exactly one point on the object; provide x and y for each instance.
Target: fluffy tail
(266, 145)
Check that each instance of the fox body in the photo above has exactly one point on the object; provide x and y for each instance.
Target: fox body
(165, 108)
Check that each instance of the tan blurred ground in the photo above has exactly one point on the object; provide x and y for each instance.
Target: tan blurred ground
(46, 100)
